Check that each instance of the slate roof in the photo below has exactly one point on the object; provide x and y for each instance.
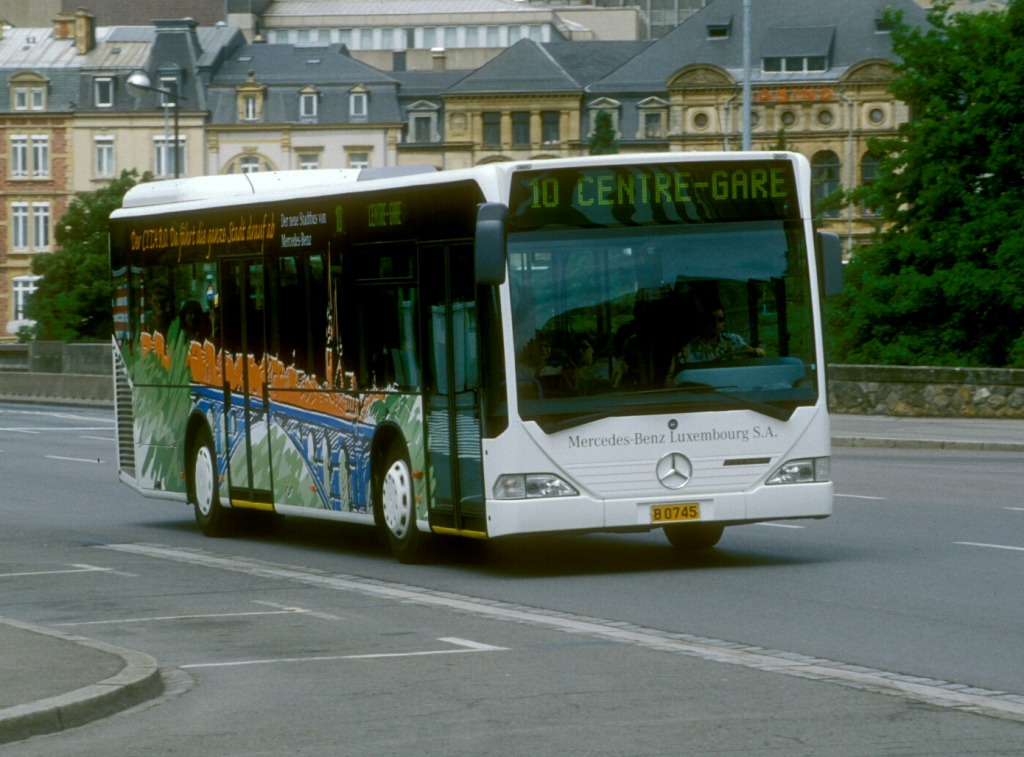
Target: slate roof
(529, 66)
(285, 69)
(776, 27)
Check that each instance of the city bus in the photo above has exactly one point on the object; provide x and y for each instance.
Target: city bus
(598, 344)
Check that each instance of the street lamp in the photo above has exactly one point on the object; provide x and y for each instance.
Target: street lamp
(138, 85)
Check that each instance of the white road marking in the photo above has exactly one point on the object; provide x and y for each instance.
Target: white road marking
(73, 459)
(989, 546)
(311, 613)
(857, 496)
(467, 647)
(939, 693)
(1018, 509)
(76, 568)
(779, 525)
(100, 438)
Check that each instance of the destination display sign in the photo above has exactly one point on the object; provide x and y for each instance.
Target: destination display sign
(652, 194)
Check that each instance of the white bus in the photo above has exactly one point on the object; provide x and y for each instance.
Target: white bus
(614, 343)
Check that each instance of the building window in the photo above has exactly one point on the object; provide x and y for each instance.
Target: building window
(40, 156)
(103, 92)
(701, 121)
(30, 98)
(794, 64)
(421, 128)
(357, 105)
(307, 105)
(788, 118)
(492, 129)
(249, 164)
(166, 160)
(249, 109)
(876, 116)
(718, 31)
(825, 179)
(30, 156)
(169, 83)
(104, 153)
(550, 127)
(520, 128)
(19, 156)
(359, 159)
(308, 161)
(825, 117)
(19, 226)
(654, 125)
(41, 226)
(868, 174)
(24, 288)
(30, 226)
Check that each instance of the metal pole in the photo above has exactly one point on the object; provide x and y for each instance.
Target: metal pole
(177, 144)
(746, 74)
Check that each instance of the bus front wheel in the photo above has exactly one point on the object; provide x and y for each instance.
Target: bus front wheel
(210, 514)
(397, 502)
(687, 536)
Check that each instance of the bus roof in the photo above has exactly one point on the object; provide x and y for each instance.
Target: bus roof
(240, 185)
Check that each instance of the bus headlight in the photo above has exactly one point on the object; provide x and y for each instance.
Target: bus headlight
(808, 471)
(530, 485)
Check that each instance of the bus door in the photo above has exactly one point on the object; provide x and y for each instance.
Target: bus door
(453, 395)
(243, 312)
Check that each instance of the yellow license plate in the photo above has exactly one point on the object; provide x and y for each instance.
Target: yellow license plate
(670, 513)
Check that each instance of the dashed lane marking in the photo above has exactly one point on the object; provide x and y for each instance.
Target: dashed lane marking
(989, 546)
(935, 692)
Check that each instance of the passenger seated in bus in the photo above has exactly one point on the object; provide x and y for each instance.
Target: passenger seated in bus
(158, 317)
(582, 374)
(193, 323)
(711, 344)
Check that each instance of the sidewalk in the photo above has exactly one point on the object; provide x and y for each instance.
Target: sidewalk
(50, 681)
(985, 434)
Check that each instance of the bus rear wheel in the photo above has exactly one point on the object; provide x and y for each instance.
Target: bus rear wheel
(210, 514)
(397, 502)
(687, 536)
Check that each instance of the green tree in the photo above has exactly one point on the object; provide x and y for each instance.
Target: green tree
(73, 299)
(603, 141)
(943, 282)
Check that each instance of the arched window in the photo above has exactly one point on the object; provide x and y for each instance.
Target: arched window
(824, 180)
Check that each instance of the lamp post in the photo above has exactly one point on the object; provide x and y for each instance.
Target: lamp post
(138, 84)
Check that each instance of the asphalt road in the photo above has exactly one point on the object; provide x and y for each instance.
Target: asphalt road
(855, 635)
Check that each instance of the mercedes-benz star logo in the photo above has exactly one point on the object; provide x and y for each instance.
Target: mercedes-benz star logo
(674, 470)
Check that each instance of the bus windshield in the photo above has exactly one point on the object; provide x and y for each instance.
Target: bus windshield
(666, 318)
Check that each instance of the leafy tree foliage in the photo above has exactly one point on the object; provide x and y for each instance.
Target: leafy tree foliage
(603, 141)
(943, 283)
(73, 299)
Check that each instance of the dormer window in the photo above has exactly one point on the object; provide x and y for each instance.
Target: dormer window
(250, 98)
(719, 29)
(798, 49)
(28, 91)
(358, 106)
(308, 104)
(103, 92)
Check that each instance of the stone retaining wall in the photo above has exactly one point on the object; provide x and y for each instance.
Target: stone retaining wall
(926, 392)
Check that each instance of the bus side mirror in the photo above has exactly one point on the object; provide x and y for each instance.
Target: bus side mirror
(490, 243)
(830, 262)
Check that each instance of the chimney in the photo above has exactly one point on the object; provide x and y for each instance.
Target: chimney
(64, 26)
(438, 55)
(85, 31)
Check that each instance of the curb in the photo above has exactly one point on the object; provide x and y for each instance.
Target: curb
(137, 682)
(890, 443)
